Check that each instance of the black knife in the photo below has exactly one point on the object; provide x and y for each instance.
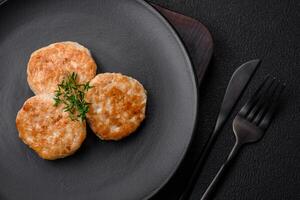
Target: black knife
(234, 91)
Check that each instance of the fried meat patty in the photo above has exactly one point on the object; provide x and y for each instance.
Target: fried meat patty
(47, 129)
(118, 105)
(48, 66)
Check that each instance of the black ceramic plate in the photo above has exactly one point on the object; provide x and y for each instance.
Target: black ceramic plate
(126, 36)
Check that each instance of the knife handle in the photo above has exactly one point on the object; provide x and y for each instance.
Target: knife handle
(192, 182)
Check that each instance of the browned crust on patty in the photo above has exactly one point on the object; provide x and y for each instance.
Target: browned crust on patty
(117, 107)
(49, 65)
(48, 130)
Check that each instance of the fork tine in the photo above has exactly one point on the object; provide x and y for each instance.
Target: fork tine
(265, 122)
(266, 105)
(249, 104)
(265, 98)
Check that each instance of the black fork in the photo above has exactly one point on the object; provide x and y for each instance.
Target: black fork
(251, 122)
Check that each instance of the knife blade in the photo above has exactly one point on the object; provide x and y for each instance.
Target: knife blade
(237, 84)
(234, 91)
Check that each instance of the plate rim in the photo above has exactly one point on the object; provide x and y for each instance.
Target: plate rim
(195, 86)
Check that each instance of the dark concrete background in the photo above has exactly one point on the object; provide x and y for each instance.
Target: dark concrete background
(244, 30)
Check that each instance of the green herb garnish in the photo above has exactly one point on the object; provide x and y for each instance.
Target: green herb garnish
(71, 94)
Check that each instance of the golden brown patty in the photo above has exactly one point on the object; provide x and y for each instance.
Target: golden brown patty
(47, 129)
(117, 107)
(49, 65)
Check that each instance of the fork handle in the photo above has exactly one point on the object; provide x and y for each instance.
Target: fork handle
(213, 184)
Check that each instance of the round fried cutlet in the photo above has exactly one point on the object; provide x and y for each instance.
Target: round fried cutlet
(49, 130)
(117, 106)
(49, 65)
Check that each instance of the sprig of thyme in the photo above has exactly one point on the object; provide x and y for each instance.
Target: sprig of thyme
(71, 94)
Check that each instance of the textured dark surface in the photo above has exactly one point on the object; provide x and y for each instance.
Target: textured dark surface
(244, 30)
(139, 43)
